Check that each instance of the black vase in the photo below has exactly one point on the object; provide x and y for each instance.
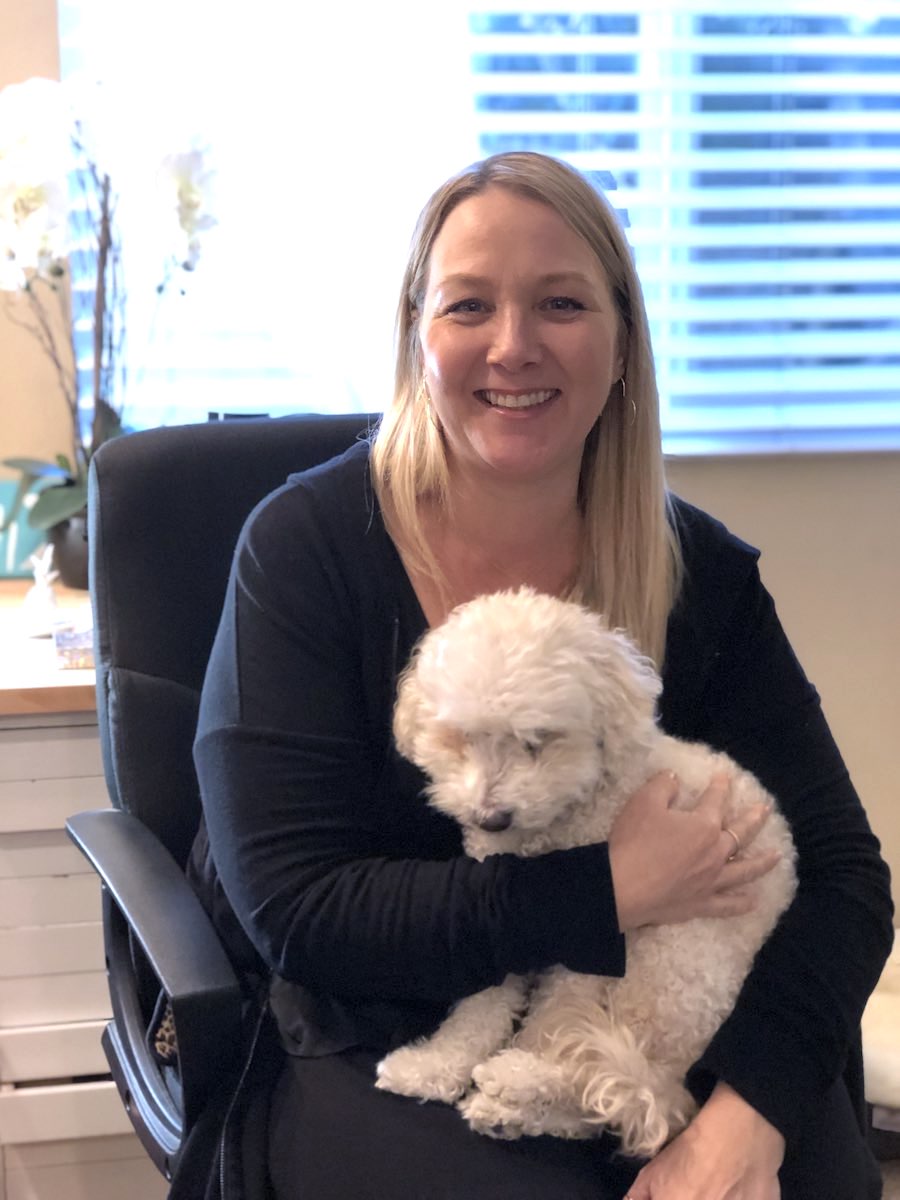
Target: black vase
(70, 551)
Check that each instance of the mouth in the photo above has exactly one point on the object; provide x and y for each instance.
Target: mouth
(516, 400)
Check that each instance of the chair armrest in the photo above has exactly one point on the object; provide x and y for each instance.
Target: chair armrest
(147, 896)
(151, 891)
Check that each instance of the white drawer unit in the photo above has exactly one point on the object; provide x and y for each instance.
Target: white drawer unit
(52, 973)
(98, 1168)
(64, 1134)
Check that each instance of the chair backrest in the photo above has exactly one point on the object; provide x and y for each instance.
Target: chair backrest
(165, 510)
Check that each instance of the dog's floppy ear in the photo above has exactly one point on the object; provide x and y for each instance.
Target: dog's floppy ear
(416, 706)
(410, 711)
(626, 678)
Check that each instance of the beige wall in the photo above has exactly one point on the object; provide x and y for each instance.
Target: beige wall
(829, 529)
(829, 526)
(33, 417)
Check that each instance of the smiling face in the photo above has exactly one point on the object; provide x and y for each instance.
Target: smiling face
(519, 337)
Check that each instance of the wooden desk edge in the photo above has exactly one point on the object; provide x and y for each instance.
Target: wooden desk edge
(33, 701)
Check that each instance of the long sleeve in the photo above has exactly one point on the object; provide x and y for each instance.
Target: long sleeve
(338, 871)
(788, 1036)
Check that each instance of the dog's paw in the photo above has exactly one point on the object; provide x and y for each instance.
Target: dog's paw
(490, 1116)
(521, 1095)
(423, 1073)
(519, 1079)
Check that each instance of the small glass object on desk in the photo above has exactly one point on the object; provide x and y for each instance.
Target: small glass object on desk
(73, 639)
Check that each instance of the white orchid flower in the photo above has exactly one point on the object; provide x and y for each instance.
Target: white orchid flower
(187, 175)
(69, 164)
(35, 159)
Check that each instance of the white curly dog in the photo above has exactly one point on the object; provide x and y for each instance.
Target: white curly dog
(535, 723)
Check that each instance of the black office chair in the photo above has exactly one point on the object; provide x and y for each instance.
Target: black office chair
(165, 510)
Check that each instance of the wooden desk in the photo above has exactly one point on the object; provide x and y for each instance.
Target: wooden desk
(31, 681)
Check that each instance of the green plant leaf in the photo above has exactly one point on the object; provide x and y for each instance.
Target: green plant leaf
(37, 468)
(26, 483)
(56, 504)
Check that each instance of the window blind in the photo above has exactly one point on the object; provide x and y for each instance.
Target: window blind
(754, 153)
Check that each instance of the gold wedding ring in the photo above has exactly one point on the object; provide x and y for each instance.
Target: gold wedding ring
(737, 843)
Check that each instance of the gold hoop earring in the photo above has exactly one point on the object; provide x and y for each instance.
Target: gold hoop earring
(621, 381)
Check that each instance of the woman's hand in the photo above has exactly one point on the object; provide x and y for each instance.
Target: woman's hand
(728, 1152)
(670, 866)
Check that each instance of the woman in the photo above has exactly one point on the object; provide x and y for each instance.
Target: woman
(522, 446)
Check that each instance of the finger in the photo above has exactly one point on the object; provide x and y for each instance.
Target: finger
(742, 871)
(713, 799)
(732, 843)
(661, 789)
(639, 1190)
(746, 824)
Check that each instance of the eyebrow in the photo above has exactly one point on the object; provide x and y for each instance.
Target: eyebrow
(466, 280)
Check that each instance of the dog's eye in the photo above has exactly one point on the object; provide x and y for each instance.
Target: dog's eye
(535, 742)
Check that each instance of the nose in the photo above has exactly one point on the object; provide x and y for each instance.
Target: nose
(515, 341)
(495, 822)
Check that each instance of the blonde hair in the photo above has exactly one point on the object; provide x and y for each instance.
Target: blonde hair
(630, 564)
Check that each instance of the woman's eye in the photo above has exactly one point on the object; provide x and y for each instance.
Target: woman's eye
(466, 306)
(563, 304)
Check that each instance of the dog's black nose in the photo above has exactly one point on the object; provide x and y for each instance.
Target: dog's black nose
(496, 822)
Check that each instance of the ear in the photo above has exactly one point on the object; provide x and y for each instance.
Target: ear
(629, 676)
(409, 712)
(640, 678)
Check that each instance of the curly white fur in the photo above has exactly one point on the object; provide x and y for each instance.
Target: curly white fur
(535, 723)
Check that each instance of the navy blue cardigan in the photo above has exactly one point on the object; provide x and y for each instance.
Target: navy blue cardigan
(358, 894)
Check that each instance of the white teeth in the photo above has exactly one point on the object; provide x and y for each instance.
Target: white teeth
(528, 400)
